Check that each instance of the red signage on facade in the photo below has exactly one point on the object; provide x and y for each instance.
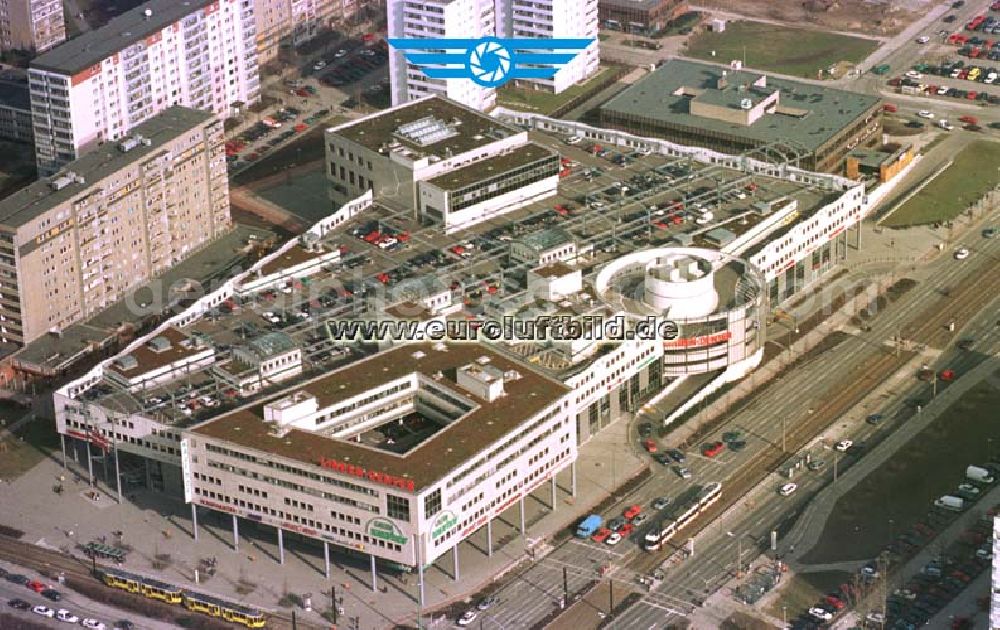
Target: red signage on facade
(695, 342)
(372, 475)
(89, 73)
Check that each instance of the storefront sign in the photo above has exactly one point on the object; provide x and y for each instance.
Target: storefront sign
(443, 523)
(372, 475)
(384, 529)
(695, 342)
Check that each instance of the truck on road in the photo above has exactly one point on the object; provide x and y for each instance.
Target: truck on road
(588, 526)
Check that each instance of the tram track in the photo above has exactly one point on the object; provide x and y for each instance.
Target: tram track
(930, 327)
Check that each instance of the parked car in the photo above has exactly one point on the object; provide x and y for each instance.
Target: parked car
(961, 253)
(713, 449)
(676, 455)
(468, 616)
(632, 511)
(18, 604)
(661, 503)
(44, 611)
(788, 489)
(843, 445)
(683, 473)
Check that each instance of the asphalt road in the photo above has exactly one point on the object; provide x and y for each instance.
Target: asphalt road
(717, 547)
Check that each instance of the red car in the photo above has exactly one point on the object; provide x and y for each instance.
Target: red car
(626, 530)
(632, 511)
(713, 449)
(649, 445)
(601, 535)
(835, 601)
(947, 375)
(36, 586)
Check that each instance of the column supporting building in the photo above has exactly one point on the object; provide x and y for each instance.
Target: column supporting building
(236, 533)
(194, 520)
(326, 558)
(281, 546)
(454, 561)
(489, 537)
(374, 574)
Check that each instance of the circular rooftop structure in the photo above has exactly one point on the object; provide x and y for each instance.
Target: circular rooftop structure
(715, 300)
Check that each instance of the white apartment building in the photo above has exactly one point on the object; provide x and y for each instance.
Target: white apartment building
(98, 86)
(554, 19)
(426, 19)
(292, 22)
(31, 25)
(74, 244)
(472, 19)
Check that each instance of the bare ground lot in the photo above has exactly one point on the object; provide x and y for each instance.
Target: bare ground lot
(859, 16)
(900, 493)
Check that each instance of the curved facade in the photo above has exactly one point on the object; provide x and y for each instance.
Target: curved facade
(717, 302)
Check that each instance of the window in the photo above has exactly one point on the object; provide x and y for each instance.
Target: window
(432, 503)
(397, 507)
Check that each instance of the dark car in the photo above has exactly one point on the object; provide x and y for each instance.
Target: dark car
(19, 604)
(662, 458)
(17, 578)
(676, 455)
(124, 624)
(51, 594)
(874, 419)
(645, 430)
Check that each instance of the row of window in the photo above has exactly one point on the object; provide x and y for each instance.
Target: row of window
(353, 487)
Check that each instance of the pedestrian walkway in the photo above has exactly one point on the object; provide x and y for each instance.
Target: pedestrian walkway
(157, 529)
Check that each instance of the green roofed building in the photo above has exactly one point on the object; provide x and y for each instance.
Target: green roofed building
(735, 110)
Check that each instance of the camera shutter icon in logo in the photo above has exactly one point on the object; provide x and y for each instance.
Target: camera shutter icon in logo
(489, 63)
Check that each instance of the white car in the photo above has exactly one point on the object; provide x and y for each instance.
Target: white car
(961, 253)
(990, 78)
(913, 74)
(923, 39)
(984, 554)
(44, 611)
(820, 614)
(942, 90)
(367, 53)
(340, 53)
(93, 624)
(925, 114)
(944, 124)
(573, 140)
(319, 65)
(613, 539)
(467, 617)
(843, 445)
(67, 616)
(787, 489)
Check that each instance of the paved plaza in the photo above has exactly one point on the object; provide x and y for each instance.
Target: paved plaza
(158, 528)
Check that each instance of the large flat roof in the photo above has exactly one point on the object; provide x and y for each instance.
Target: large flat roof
(484, 169)
(425, 464)
(656, 98)
(32, 201)
(474, 129)
(92, 47)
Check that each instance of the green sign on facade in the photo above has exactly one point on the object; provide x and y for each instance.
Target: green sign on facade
(384, 529)
(444, 522)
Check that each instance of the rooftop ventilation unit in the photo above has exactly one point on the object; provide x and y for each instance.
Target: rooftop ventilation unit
(132, 142)
(65, 180)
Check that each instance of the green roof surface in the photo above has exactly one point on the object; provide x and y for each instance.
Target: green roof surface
(656, 97)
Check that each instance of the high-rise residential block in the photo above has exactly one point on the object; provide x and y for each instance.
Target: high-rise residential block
(73, 244)
(554, 19)
(97, 87)
(291, 22)
(31, 25)
(430, 19)
(471, 19)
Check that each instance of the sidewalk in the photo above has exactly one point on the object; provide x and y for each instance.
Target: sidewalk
(156, 525)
